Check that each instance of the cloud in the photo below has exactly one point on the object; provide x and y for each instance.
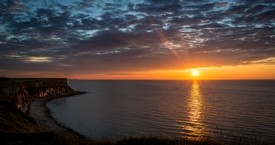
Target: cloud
(38, 59)
(104, 36)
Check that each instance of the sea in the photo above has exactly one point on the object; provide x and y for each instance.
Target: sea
(231, 110)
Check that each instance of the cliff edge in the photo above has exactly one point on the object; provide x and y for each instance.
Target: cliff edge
(22, 91)
(18, 127)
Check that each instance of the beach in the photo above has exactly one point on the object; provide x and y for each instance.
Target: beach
(39, 111)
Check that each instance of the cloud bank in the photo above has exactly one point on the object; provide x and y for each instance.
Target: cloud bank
(115, 36)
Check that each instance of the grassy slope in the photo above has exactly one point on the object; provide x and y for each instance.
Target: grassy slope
(12, 120)
(17, 127)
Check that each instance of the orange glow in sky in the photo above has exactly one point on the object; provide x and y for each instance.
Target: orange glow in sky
(254, 71)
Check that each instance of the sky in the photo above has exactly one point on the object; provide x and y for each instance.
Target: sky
(137, 39)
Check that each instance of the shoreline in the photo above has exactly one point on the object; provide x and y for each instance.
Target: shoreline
(41, 113)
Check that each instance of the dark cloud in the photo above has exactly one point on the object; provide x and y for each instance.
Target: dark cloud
(104, 36)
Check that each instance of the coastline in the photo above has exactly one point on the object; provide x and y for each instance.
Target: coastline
(54, 133)
(26, 120)
(41, 113)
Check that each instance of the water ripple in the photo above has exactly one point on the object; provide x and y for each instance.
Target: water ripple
(174, 109)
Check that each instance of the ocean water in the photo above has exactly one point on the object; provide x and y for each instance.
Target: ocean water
(223, 110)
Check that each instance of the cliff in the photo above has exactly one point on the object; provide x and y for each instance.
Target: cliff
(21, 92)
(12, 120)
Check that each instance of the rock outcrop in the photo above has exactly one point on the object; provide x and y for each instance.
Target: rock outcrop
(21, 92)
(12, 120)
(17, 127)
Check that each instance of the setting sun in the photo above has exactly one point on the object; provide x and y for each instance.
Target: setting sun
(195, 73)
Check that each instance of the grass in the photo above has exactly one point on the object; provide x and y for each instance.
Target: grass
(12, 120)
(160, 141)
(51, 138)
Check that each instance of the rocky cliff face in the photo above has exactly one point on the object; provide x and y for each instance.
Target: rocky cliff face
(21, 92)
(12, 120)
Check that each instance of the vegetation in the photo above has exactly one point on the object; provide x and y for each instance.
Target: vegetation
(12, 120)
(51, 138)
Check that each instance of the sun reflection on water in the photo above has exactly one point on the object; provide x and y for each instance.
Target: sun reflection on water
(195, 112)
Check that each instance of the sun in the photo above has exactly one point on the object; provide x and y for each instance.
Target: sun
(195, 73)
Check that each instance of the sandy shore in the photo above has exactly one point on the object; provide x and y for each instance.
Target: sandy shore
(40, 112)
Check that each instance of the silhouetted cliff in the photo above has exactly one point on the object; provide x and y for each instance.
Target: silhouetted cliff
(17, 127)
(21, 92)
(12, 120)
